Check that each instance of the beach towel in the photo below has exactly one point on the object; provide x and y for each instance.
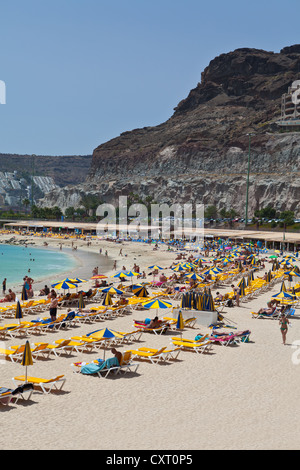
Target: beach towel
(93, 368)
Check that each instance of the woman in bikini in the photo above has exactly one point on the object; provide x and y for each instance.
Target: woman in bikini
(283, 322)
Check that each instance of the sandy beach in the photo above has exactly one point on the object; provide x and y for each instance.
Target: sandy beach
(237, 397)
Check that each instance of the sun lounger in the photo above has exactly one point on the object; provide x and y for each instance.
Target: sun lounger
(198, 347)
(126, 363)
(154, 355)
(99, 367)
(13, 354)
(166, 354)
(60, 346)
(89, 343)
(8, 394)
(273, 315)
(157, 331)
(45, 384)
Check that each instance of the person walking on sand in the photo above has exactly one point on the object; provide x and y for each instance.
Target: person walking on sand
(53, 305)
(4, 285)
(283, 322)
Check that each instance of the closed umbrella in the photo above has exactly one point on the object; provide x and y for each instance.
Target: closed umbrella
(27, 358)
(180, 323)
(283, 288)
(19, 313)
(24, 295)
(81, 304)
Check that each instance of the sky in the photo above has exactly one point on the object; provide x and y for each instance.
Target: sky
(78, 73)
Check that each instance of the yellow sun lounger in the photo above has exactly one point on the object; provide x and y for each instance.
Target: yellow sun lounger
(45, 384)
(199, 348)
(154, 356)
(13, 354)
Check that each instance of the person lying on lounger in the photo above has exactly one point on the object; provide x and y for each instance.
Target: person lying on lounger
(267, 311)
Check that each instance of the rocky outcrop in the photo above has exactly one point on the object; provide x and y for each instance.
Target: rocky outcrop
(64, 170)
(201, 153)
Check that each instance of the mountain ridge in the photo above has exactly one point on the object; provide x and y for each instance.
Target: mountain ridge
(200, 153)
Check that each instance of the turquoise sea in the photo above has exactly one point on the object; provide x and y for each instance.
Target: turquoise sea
(16, 261)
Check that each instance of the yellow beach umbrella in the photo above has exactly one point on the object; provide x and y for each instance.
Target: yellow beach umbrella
(19, 313)
(27, 358)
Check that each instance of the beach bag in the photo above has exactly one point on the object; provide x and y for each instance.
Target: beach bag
(229, 303)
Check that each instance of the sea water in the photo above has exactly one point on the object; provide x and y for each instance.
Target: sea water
(40, 264)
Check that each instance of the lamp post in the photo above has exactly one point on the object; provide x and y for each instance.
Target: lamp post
(32, 175)
(248, 173)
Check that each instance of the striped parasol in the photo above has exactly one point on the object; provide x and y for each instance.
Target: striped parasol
(27, 358)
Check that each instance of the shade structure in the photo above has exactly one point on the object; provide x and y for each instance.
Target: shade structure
(111, 290)
(283, 296)
(64, 285)
(198, 301)
(19, 313)
(131, 273)
(141, 292)
(81, 303)
(120, 274)
(107, 300)
(27, 358)
(155, 266)
(104, 333)
(24, 295)
(99, 276)
(178, 268)
(180, 323)
(194, 276)
(242, 288)
(157, 303)
(78, 280)
(241, 282)
(282, 288)
(292, 273)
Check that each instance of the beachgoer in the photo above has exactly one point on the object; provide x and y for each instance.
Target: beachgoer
(117, 354)
(155, 323)
(4, 285)
(219, 297)
(53, 306)
(237, 292)
(115, 265)
(283, 322)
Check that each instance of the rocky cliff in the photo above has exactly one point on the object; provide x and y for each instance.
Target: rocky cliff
(201, 153)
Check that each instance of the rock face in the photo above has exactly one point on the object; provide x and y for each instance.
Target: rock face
(201, 153)
(64, 170)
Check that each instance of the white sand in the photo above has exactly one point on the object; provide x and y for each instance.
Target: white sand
(242, 397)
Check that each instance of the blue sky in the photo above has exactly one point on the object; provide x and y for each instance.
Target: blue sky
(80, 72)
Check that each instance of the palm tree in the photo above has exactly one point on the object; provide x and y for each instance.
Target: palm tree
(26, 203)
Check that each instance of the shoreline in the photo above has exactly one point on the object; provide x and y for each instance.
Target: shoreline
(84, 262)
(227, 392)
